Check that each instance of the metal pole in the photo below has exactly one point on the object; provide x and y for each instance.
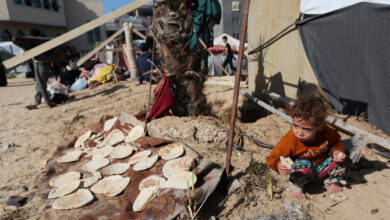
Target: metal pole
(237, 86)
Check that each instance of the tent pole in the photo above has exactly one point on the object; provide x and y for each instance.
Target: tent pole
(236, 87)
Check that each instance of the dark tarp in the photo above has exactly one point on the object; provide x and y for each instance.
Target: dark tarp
(349, 51)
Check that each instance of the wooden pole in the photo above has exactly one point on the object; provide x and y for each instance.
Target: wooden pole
(130, 49)
(82, 60)
(236, 86)
(14, 61)
(334, 122)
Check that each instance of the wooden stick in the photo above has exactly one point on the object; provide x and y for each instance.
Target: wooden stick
(70, 35)
(236, 87)
(82, 60)
(334, 122)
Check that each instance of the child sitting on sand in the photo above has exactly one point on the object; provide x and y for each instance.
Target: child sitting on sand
(314, 147)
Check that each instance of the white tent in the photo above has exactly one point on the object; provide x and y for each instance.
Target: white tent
(9, 49)
(315, 7)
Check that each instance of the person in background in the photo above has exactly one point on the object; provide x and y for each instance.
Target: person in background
(229, 56)
(143, 65)
(3, 76)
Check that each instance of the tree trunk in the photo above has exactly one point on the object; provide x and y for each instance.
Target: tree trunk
(172, 29)
(130, 49)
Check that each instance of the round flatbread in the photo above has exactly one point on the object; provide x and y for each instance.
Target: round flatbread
(111, 186)
(145, 163)
(171, 151)
(115, 168)
(182, 180)
(101, 152)
(70, 156)
(152, 180)
(95, 164)
(65, 179)
(287, 162)
(121, 152)
(109, 123)
(83, 138)
(64, 190)
(175, 166)
(144, 197)
(89, 181)
(74, 200)
(139, 156)
(135, 133)
(116, 136)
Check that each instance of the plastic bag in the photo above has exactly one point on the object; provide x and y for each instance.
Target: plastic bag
(78, 85)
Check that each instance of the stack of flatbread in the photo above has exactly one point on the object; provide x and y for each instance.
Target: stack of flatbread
(102, 176)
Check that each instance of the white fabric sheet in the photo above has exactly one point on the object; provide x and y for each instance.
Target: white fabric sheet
(315, 7)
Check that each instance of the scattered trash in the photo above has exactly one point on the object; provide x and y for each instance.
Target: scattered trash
(4, 147)
(337, 198)
(76, 117)
(17, 201)
(295, 211)
(374, 211)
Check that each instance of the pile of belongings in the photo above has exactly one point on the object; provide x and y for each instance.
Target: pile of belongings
(114, 161)
(58, 93)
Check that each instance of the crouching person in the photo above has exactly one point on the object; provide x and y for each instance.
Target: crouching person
(313, 146)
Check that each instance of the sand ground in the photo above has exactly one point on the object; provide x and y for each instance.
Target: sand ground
(37, 133)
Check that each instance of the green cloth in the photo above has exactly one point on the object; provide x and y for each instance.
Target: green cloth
(205, 14)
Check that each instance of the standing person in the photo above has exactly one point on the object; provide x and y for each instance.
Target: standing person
(143, 64)
(229, 56)
(313, 146)
(42, 70)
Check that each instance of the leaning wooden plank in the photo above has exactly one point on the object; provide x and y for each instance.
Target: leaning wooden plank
(14, 61)
(224, 83)
(139, 34)
(267, 107)
(334, 122)
(82, 60)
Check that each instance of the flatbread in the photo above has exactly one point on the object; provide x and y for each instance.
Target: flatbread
(144, 197)
(101, 152)
(109, 124)
(89, 181)
(115, 137)
(65, 179)
(137, 157)
(171, 151)
(121, 151)
(111, 186)
(287, 161)
(135, 133)
(130, 119)
(64, 190)
(83, 138)
(74, 200)
(70, 156)
(175, 166)
(182, 180)
(115, 168)
(145, 163)
(95, 164)
(152, 180)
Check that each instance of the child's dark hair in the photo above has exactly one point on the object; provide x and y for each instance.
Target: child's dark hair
(310, 106)
(224, 37)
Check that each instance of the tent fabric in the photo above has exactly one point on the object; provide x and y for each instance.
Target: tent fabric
(349, 52)
(9, 49)
(231, 40)
(316, 7)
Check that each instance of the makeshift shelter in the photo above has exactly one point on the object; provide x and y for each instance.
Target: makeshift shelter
(9, 49)
(346, 45)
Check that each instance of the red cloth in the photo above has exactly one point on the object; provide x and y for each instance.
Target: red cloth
(163, 99)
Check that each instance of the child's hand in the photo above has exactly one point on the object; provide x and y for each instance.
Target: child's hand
(338, 156)
(282, 169)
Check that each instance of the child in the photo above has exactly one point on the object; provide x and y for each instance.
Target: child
(314, 147)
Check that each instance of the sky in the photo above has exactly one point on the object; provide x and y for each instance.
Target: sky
(109, 5)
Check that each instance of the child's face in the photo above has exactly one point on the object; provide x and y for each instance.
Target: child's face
(305, 130)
